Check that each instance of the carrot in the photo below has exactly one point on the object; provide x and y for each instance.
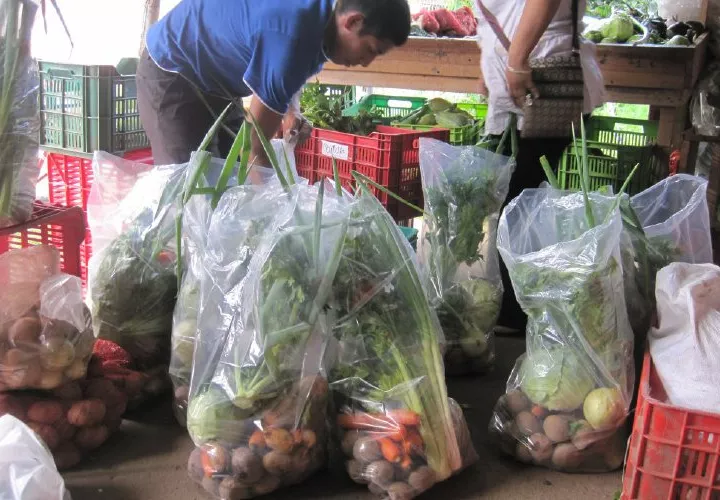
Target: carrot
(366, 421)
(413, 443)
(406, 463)
(404, 417)
(390, 450)
(257, 441)
(539, 412)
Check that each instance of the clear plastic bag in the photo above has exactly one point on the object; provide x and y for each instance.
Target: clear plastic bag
(132, 283)
(464, 189)
(46, 336)
(258, 392)
(28, 468)
(675, 216)
(399, 432)
(568, 395)
(73, 419)
(685, 347)
(20, 125)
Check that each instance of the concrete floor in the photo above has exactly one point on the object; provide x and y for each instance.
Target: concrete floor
(147, 460)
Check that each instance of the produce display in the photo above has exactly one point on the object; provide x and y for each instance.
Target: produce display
(569, 395)
(439, 112)
(457, 23)
(73, 420)
(464, 189)
(45, 332)
(326, 112)
(133, 284)
(19, 112)
(634, 27)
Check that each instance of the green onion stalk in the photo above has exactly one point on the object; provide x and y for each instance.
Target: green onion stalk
(19, 116)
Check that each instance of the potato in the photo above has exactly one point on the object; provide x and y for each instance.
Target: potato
(89, 438)
(24, 377)
(268, 484)
(65, 430)
(400, 491)
(367, 450)
(87, 413)
(277, 463)
(527, 424)
(584, 435)
(348, 442)
(377, 490)
(231, 489)
(66, 456)
(211, 485)
(356, 471)
(194, 465)
(517, 401)
(11, 405)
(15, 358)
(523, 453)
(279, 440)
(309, 438)
(45, 412)
(25, 330)
(114, 413)
(50, 380)
(557, 428)
(70, 391)
(59, 328)
(215, 458)
(541, 448)
(567, 457)
(104, 389)
(46, 433)
(422, 479)
(246, 466)
(58, 353)
(257, 441)
(380, 472)
(77, 370)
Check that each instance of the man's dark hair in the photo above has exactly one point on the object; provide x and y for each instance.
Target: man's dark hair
(384, 19)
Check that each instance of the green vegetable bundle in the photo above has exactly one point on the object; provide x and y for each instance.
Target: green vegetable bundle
(19, 114)
(464, 189)
(570, 393)
(326, 112)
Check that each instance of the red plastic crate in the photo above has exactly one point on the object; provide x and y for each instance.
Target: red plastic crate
(61, 227)
(70, 177)
(389, 156)
(674, 452)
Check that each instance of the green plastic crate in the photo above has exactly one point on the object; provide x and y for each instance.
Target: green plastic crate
(477, 110)
(621, 131)
(392, 107)
(85, 108)
(459, 136)
(610, 165)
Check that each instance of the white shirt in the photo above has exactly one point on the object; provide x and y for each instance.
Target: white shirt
(557, 40)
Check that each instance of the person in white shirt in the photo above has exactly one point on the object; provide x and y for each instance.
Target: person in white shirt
(536, 29)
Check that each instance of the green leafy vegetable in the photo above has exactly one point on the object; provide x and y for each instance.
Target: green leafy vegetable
(556, 379)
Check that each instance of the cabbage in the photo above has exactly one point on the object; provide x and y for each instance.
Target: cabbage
(555, 379)
(619, 27)
(210, 416)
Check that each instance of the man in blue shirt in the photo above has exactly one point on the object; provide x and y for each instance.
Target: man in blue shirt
(205, 53)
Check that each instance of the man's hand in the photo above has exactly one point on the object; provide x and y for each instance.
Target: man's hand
(268, 121)
(296, 129)
(519, 81)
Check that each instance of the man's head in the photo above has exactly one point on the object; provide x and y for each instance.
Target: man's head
(361, 30)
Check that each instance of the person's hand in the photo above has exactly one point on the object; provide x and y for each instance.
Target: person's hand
(296, 129)
(520, 84)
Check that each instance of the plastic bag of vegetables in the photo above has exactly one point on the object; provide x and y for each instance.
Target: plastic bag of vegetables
(398, 430)
(568, 396)
(132, 283)
(46, 336)
(258, 395)
(464, 189)
(674, 214)
(196, 216)
(19, 115)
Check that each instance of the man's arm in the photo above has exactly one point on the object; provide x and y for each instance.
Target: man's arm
(268, 121)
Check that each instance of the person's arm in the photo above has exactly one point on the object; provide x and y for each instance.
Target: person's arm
(534, 21)
(268, 121)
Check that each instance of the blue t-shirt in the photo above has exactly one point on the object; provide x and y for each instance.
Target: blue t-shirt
(235, 48)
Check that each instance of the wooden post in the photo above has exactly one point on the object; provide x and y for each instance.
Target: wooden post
(151, 13)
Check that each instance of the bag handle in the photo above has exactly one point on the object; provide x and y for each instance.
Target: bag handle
(505, 41)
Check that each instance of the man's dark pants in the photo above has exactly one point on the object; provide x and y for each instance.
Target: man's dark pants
(175, 117)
